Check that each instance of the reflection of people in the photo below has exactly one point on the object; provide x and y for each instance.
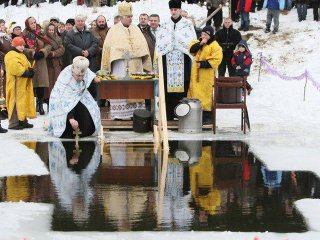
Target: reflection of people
(271, 179)
(71, 104)
(71, 172)
(204, 191)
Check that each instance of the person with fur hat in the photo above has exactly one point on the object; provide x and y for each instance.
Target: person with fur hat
(241, 62)
(72, 106)
(122, 38)
(172, 44)
(69, 24)
(20, 98)
(207, 55)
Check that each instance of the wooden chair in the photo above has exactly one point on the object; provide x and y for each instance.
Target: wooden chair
(237, 98)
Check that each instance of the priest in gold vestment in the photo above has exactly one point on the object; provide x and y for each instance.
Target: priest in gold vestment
(123, 38)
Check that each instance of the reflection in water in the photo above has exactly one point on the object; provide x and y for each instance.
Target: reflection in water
(71, 170)
(205, 186)
(271, 179)
(127, 169)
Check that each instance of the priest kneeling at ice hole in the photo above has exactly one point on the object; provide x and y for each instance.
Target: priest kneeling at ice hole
(72, 106)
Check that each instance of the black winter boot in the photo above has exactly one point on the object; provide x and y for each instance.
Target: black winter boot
(2, 130)
(25, 124)
(39, 106)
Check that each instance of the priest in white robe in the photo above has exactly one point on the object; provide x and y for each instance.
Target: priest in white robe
(71, 104)
(172, 44)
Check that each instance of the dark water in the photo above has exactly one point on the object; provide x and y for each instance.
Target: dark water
(209, 186)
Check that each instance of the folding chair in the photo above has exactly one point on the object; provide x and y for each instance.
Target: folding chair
(230, 93)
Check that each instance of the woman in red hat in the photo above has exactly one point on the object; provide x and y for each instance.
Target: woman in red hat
(20, 97)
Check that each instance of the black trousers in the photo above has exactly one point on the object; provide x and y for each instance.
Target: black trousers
(234, 16)
(225, 63)
(315, 6)
(217, 18)
(86, 124)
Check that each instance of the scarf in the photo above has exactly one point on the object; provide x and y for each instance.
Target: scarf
(31, 37)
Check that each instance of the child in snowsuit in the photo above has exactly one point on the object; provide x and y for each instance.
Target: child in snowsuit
(241, 61)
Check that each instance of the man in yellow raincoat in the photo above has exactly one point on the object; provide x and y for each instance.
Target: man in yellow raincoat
(207, 57)
(20, 97)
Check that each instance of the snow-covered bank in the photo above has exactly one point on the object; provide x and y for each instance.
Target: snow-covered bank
(17, 159)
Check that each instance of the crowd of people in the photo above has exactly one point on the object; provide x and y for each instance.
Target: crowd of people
(88, 3)
(56, 62)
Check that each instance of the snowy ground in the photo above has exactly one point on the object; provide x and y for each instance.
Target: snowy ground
(284, 133)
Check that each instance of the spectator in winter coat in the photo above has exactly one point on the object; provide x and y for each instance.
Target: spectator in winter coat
(2, 104)
(54, 62)
(228, 38)
(146, 31)
(100, 33)
(66, 58)
(302, 6)
(244, 7)
(20, 98)
(274, 7)
(241, 61)
(39, 48)
(5, 46)
(81, 42)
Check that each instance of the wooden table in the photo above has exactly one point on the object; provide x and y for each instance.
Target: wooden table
(125, 89)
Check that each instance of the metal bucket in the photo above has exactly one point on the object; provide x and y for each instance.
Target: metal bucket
(189, 151)
(189, 112)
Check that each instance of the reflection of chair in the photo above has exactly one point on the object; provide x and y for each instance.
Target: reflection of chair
(229, 163)
(230, 93)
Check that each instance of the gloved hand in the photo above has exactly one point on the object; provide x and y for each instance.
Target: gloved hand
(38, 55)
(28, 73)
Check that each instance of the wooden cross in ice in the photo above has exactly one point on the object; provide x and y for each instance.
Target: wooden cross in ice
(127, 57)
(77, 150)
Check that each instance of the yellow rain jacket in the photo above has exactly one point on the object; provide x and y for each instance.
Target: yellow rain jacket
(19, 89)
(202, 78)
